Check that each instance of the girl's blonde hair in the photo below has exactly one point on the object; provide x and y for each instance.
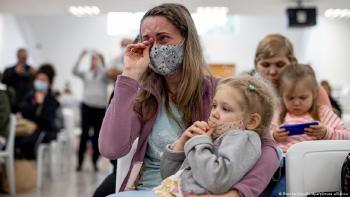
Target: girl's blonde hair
(189, 91)
(274, 45)
(258, 97)
(290, 77)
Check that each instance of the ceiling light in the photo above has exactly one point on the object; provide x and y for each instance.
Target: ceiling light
(209, 18)
(123, 23)
(80, 11)
(337, 13)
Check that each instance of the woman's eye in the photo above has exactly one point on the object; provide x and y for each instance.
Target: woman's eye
(163, 39)
(280, 64)
(213, 106)
(265, 65)
(145, 38)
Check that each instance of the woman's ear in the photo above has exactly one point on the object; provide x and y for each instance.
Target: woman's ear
(254, 121)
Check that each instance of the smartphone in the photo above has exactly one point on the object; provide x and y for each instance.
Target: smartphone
(297, 129)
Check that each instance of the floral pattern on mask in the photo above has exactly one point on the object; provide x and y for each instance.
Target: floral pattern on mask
(166, 59)
(221, 128)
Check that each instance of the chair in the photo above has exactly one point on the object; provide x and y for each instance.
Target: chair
(123, 165)
(51, 150)
(57, 149)
(8, 155)
(315, 166)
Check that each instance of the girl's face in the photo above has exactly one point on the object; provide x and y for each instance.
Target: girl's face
(161, 30)
(271, 68)
(226, 109)
(299, 101)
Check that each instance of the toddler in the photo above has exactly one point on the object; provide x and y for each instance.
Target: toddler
(221, 151)
(299, 93)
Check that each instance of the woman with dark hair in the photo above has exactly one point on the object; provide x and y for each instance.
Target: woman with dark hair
(40, 106)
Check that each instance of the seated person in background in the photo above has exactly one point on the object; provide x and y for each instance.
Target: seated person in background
(219, 153)
(299, 91)
(41, 107)
(7, 99)
(336, 107)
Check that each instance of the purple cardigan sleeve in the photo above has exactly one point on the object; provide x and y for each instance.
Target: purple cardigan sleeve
(121, 124)
(256, 180)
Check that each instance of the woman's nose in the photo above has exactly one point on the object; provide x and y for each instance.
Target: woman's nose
(272, 70)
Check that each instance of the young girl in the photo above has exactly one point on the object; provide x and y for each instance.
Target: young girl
(299, 91)
(221, 151)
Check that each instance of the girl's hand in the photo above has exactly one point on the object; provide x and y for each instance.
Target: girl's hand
(198, 128)
(280, 135)
(209, 132)
(318, 131)
(136, 59)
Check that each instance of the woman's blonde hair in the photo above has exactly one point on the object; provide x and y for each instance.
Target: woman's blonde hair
(258, 97)
(274, 45)
(293, 75)
(189, 91)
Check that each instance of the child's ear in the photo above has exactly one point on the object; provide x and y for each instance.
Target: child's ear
(254, 121)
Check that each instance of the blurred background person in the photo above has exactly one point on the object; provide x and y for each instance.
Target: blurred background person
(116, 65)
(41, 107)
(19, 77)
(93, 105)
(335, 104)
(107, 186)
(7, 100)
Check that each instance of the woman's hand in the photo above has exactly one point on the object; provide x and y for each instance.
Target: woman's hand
(198, 128)
(318, 131)
(280, 135)
(136, 59)
(232, 193)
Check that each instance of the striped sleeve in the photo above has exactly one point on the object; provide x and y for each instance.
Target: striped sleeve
(336, 128)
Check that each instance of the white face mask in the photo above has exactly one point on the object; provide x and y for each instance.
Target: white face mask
(166, 59)
(226, 126)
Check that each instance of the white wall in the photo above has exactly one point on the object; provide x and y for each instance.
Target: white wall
(60, 39)
(328, 50)
(239, 48)
(11, 39)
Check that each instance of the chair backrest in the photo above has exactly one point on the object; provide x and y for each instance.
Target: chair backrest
(12, 133)
(68, 117)
(315, 166)
(123, 165)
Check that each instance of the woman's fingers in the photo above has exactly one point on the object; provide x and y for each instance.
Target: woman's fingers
(139, 48)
